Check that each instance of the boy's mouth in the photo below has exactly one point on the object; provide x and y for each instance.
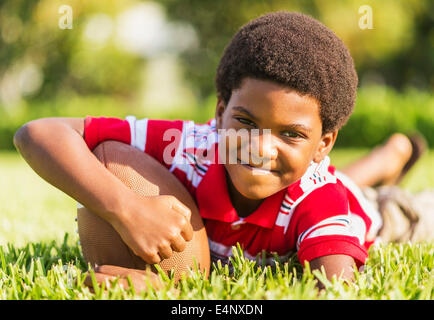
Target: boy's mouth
(257, 170)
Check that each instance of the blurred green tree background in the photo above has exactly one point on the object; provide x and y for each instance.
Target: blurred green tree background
(158, 59)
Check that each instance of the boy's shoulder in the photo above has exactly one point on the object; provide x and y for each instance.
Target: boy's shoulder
(319, 179)
(318, 193)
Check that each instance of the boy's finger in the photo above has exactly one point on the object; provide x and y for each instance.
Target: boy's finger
(115, 270)
(178, 244)
(134, 273)
(139, 285)
(165, 252)
(150, 258)
(181, 208)
(100, 278)
(107, 273)
(187, 231)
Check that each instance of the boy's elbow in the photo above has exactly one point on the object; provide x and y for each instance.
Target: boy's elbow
(34, 132)
(24, 136)
(20, 137)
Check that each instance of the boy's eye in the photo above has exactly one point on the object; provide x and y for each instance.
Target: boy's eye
(245, 121)
(291, 134)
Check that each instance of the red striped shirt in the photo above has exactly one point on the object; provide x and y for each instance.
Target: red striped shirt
(323, 213)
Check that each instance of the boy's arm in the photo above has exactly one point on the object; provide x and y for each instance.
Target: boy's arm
(337, 264)
(56, 150)
(325, 232)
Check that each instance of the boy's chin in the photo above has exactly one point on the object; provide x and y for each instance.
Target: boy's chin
(256, 192)
(254, 187)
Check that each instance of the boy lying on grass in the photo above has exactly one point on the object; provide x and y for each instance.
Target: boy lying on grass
(292, 80)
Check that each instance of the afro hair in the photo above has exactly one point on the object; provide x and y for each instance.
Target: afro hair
(298, 52)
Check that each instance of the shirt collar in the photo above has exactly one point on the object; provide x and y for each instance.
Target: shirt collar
(214, 201)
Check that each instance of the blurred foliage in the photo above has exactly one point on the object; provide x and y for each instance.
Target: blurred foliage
(66, 59)
(381, 111)
(398, 51)
(46, 71)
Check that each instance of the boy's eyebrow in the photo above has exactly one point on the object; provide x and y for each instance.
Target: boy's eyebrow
(244, 110)
(294, 126)
(297, 126)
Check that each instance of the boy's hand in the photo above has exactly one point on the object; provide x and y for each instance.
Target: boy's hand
(139, 278)
(154, 227)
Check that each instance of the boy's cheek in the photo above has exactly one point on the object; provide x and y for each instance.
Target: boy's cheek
(293, 171)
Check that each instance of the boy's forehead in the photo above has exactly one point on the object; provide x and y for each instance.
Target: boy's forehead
(263, 98)
(259, 89)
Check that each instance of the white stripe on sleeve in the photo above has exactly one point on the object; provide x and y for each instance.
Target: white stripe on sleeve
(343, 221)
(138, 132)
(330, 230)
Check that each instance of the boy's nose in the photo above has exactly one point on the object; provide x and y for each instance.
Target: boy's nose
(264, 147)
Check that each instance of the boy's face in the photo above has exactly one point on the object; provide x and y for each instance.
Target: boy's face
(296, 136)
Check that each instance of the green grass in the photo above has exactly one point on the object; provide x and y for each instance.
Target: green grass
(40, 257)
(56, 271)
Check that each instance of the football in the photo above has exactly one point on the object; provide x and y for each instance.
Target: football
(102, 245)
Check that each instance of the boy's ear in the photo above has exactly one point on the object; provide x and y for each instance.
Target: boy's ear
(325, 145)
(219, 110)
